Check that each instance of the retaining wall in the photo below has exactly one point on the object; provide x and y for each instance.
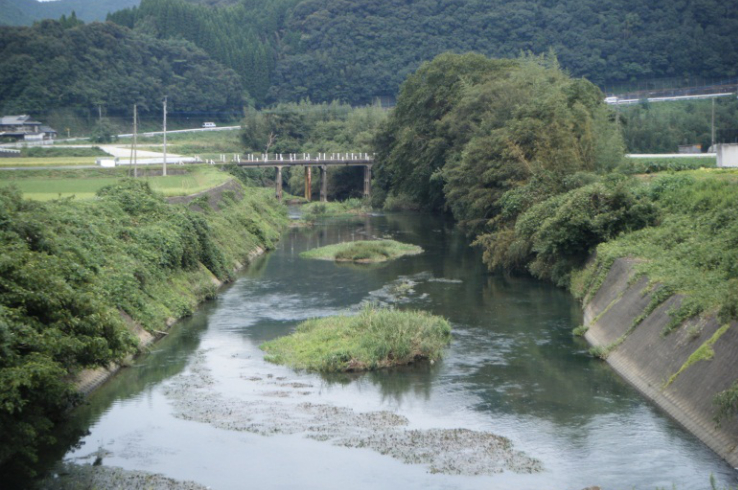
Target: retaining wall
(647, 359)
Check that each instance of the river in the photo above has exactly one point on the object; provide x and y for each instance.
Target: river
(205, 406)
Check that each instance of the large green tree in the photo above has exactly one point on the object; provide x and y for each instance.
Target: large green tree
(489, 139)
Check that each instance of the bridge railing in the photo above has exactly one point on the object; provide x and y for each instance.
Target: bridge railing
(302, 157)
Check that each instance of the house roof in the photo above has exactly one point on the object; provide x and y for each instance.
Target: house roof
(17, 120)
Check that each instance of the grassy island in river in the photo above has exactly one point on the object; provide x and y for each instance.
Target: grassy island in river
(375, 338)
(363, 251)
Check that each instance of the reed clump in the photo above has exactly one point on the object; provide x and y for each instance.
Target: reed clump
(368, 251)
(376, 338)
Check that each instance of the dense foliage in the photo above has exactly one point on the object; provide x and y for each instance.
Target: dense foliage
(375, 338)
(467, 129)
(691, 250)
(73, 274)
(243, 36)
(662, 127)
(516, 150)
(61, 64)
(355, 51)
(288, 50)
(24, 12)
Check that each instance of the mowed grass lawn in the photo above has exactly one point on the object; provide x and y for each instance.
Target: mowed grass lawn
(44, 188)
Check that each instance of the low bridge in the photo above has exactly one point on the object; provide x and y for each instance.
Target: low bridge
(308, 161)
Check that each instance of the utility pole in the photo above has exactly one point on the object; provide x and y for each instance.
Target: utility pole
(135, 140)
(164, 170)
(713, 124)
(99, 113)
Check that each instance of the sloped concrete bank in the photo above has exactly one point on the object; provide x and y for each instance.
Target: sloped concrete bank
(89, 380)
(649, 360)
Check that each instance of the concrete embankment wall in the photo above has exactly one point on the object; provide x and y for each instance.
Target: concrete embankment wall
(648, 359)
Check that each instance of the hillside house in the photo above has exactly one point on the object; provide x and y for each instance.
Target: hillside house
(24, 128)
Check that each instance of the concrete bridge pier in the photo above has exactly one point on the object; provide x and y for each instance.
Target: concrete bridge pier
(308, 183)
(367, 181)
(323, 183)
(278, 190)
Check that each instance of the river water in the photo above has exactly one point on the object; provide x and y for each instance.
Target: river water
(205, 406)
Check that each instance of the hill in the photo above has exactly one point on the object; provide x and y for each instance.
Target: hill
(12, 15)
(67, 64)
(354, 51)
(25, 12)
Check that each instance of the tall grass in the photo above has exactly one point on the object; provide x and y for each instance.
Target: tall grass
(693, 250)
(375, 338)
(316, 210)
(363, 251)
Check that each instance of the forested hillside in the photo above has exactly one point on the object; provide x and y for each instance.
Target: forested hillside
(71, 65)
(12, 15)
(354, 51)
(287, 50)
(24, 12)
(245, 36)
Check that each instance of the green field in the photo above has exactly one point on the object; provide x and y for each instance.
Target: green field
(44, 188)
(46, 161)
(196, 143)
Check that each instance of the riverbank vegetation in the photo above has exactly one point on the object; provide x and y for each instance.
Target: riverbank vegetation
(76, 275)
(530, 163)
(333, 209)
(373, 339)
(690, 250)
(368, 251)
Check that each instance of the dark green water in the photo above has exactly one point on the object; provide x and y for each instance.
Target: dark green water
(513, 369)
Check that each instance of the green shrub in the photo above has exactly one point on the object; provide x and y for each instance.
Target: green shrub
(375, 338)
(70, 268)
(726, 403)
(558, 235)
(654, 165)
(692, 250)
(316, 210)
(363, 251)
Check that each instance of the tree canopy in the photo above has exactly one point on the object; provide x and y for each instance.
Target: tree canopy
(25, 12)
(325, 50)
(66, 63)
(488, 140)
